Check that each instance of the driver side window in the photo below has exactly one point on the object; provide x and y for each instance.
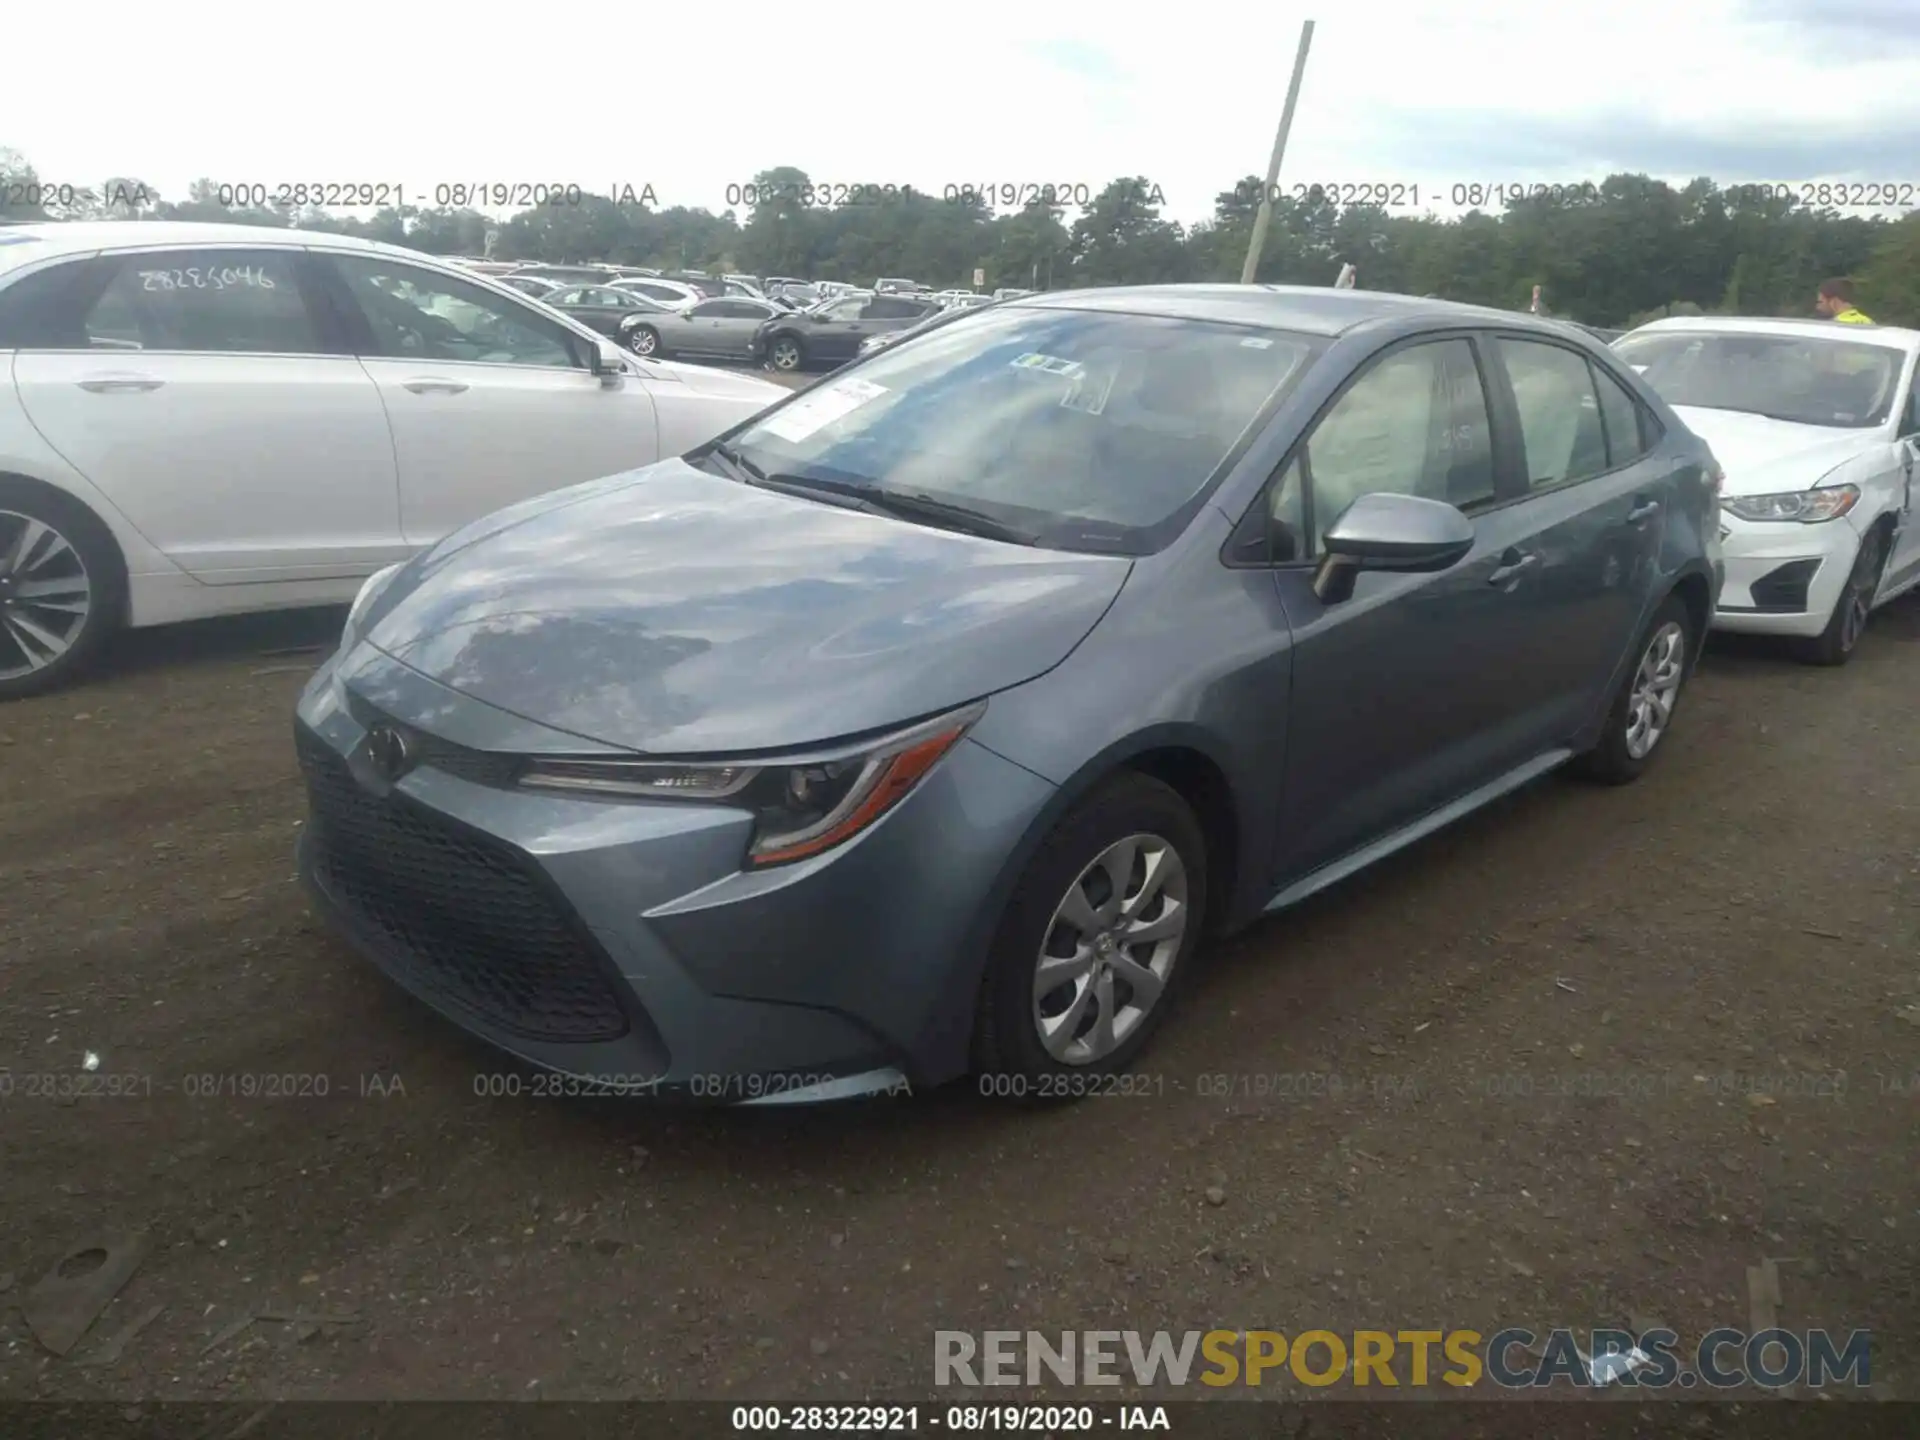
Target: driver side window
(417, 314)
(1414, 424)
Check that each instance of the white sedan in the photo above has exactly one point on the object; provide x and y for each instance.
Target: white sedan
(1817, 426)
(206, 419)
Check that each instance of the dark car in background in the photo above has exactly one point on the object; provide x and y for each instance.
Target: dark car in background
(831, 332)
(601, 307)
(718, 329)
(945, 316)
(931, 720)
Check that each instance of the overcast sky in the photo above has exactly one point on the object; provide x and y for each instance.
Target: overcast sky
(1525, 91)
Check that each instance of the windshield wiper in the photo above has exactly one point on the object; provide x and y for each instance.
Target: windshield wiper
(950, 516)
(738, 461)
(852, 496)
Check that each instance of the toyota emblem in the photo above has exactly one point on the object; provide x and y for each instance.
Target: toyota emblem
(388, 751)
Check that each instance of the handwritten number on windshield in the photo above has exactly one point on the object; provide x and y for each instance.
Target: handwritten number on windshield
(227, 277)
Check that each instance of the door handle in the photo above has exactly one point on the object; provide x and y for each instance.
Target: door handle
(1645, 510)
(1512, 566)
(434, 387)
(114, 384)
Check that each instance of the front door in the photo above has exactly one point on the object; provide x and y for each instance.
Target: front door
(200, 389)
(1404, 695)
(491, 402)
(1903, 568)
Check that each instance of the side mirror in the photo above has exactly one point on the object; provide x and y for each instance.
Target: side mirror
(607, 361)
(1405, 534)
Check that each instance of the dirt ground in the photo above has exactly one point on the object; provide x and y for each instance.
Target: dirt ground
(1595, 1053)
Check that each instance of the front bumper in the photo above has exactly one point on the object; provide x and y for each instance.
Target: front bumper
(619, 942)
(1783, 579)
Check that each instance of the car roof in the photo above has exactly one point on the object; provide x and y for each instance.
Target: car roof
(1308, 309)
(1803, 327)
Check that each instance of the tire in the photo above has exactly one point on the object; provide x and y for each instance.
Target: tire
(55, 555)
(1011, 1058)
(1835, 644)
(644, 340)
(1663, 661)
(786, 354)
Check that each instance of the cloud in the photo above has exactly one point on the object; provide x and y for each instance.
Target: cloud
(1593, 145)
(1003, 92)
(1842, 28)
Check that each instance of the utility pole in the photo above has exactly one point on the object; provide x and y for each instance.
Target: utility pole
(1261, 220)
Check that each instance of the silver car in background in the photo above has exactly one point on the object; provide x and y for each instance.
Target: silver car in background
(718, 329)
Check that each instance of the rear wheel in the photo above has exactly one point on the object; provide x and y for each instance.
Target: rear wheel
(1097, 939)
(62, 589)
(643, 340)
(1642, 709)
(1835, 644)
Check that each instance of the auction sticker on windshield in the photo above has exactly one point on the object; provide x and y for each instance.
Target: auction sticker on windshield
(822, 407)
(1052, 364)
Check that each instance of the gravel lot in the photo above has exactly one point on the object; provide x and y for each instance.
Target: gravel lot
(1595, 1052)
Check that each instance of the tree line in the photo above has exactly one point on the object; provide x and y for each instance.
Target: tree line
(1616, 253)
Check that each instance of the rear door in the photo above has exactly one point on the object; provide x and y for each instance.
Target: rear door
(1594, 518)
(491, 401)
(734, 324)
(208, 393)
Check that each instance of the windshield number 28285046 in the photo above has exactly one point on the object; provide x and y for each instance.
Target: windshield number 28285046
(213, 278)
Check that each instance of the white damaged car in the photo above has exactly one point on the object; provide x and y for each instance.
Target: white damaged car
(1817, 427)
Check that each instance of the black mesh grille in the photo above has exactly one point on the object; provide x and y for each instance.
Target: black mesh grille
(460, 915)
(1784, 590)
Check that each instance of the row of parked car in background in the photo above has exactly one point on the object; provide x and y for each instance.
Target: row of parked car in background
(1104, 621)
(779, 321)
(153, 364)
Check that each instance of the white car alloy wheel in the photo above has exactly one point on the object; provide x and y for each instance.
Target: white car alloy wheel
(1110, 949)
(1656, 685)
(46, 595)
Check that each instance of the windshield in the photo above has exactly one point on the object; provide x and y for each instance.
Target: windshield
(1090, 430)
(1809, 380)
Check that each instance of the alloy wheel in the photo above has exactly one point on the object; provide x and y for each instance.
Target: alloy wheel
(45, 594)
(1656, 685)
(643, 342)
(786, 355)
(1110, 949)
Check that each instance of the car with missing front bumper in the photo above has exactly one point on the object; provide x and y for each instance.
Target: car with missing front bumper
(1817, 427)
(872, 742)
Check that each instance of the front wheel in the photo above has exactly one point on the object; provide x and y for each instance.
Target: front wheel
(62, 590)
(1642, 709)
(1096, 941)
(786, 354)
(1835, 644)
(643, 340)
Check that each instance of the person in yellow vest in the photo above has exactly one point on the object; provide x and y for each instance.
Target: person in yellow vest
(1836, 303)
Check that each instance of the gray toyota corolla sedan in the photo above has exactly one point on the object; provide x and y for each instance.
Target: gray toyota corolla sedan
(926, 722)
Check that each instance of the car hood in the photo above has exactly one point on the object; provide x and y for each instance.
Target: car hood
(1768, 457)
(675, 612)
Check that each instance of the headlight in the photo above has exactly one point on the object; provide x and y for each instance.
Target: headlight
(1807, 507)
(369, 592)
(801, 806)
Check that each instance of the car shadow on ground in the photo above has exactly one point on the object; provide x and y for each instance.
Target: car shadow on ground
(279, 636)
